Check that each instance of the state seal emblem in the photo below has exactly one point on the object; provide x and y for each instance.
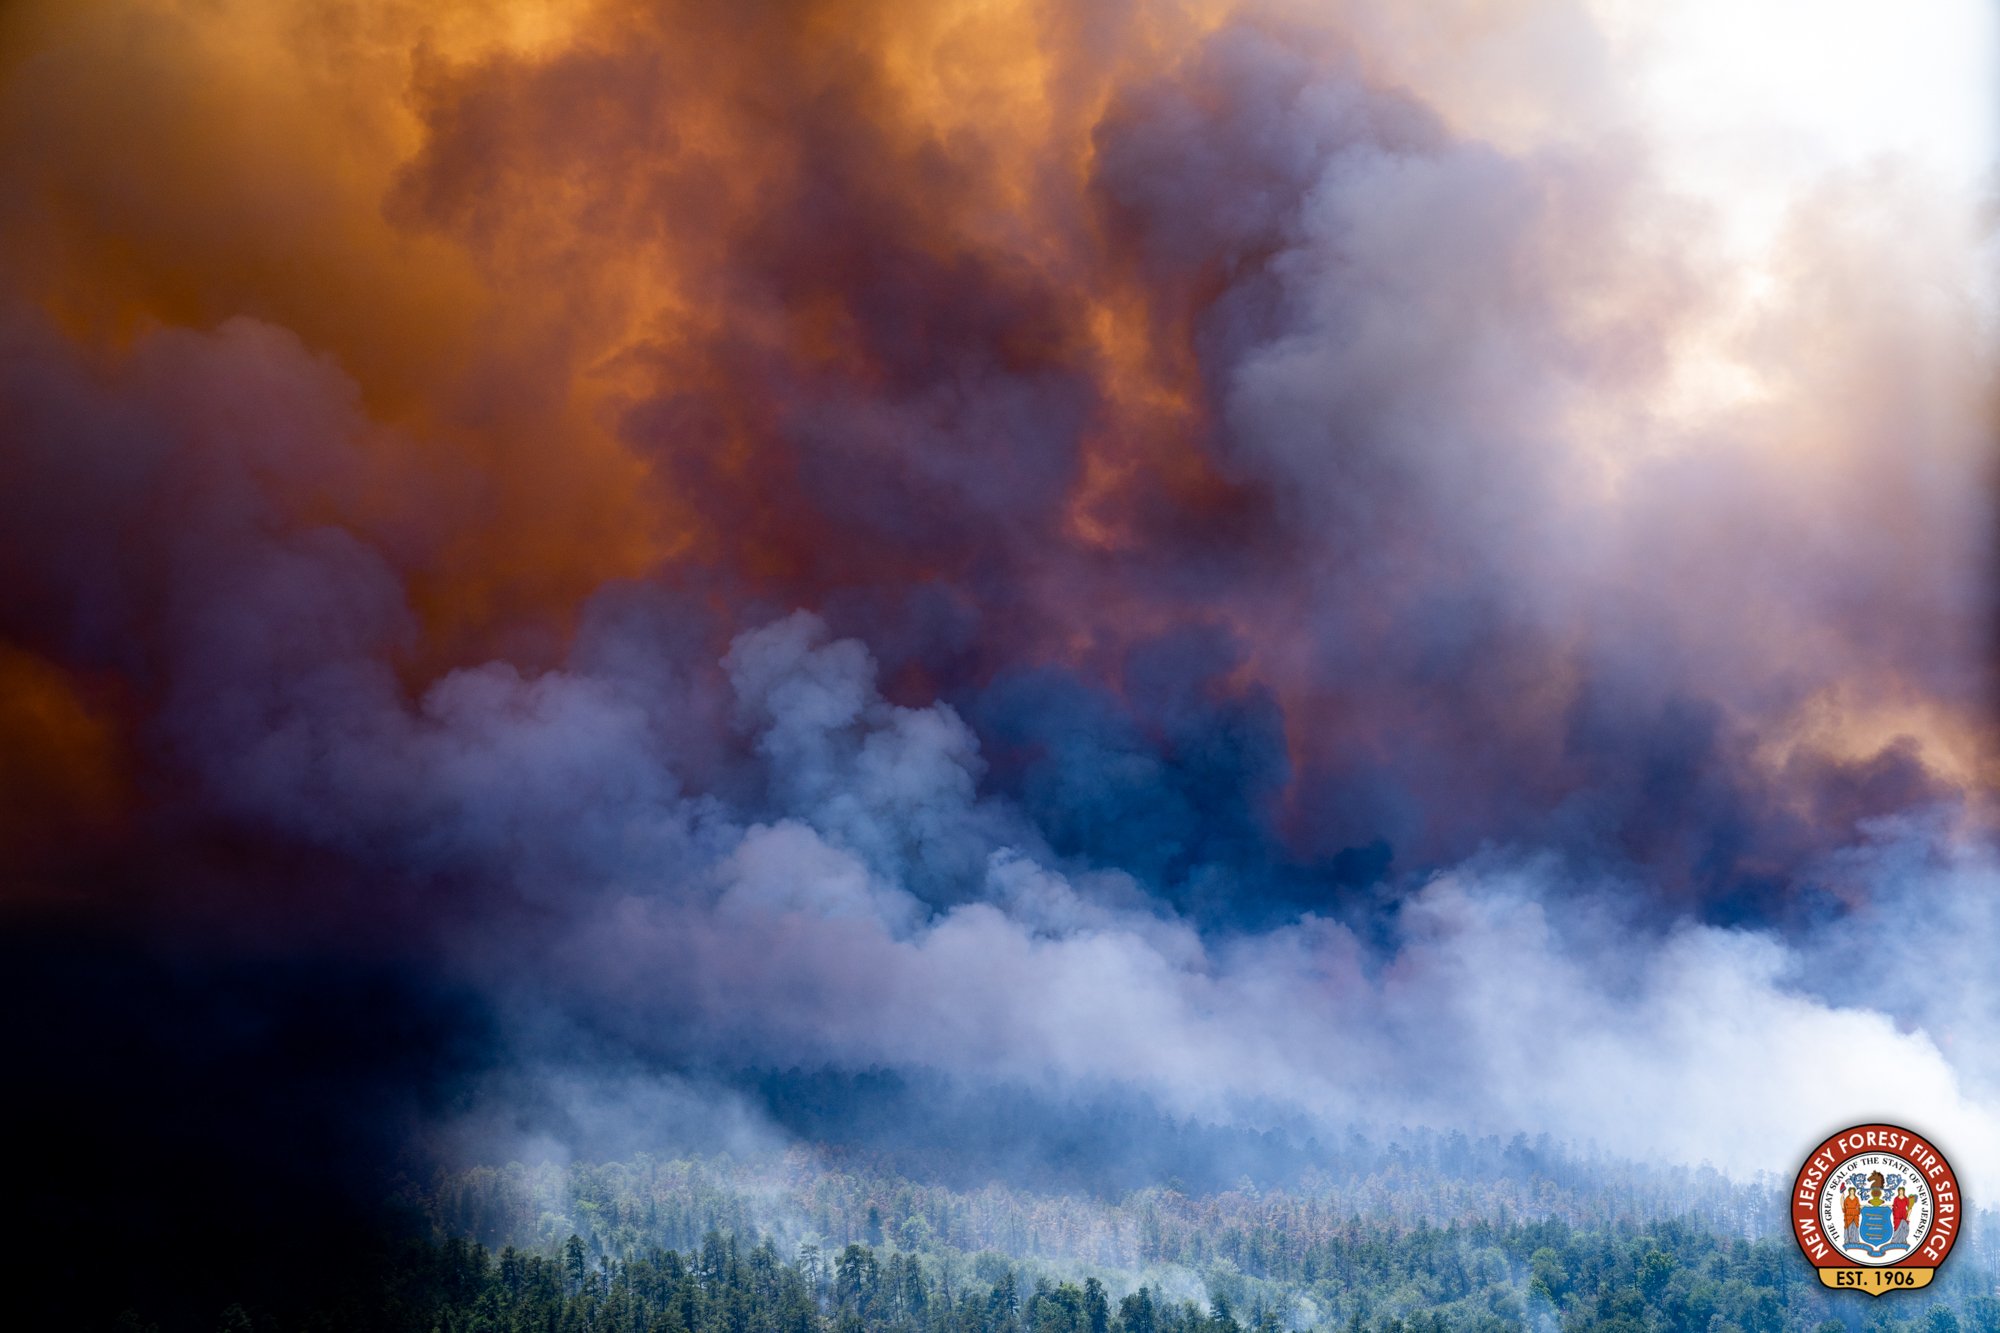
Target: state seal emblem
(1876, 1208)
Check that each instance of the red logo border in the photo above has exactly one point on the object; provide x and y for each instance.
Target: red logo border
(1825, 1159)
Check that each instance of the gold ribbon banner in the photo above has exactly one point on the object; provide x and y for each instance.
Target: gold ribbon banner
(1875, 1281)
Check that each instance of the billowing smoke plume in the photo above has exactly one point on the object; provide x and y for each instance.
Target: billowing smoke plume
(1215, 555)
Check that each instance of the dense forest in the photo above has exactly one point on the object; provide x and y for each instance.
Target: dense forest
(1480, 1276)
(794, 1245)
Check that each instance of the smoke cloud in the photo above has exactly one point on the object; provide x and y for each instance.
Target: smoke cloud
(1274, 563)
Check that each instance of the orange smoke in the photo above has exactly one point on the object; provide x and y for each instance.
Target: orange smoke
(62, 767)
(503, 276)
(627, 290)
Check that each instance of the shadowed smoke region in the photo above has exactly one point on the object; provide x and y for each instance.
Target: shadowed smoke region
(577, 578)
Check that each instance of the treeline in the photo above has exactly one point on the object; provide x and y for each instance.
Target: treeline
(818, 1242)
(1526, 1252)
(841, 1198)
(1481, 1277)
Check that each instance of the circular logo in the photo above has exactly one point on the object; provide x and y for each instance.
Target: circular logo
(1876, 1208)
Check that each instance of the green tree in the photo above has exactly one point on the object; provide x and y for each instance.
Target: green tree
(1096, 1309)
(1137, 1312)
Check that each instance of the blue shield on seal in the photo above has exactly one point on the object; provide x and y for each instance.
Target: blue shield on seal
(1877, 1226)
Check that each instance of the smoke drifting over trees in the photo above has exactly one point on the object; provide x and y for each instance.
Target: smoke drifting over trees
(1266, 564)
